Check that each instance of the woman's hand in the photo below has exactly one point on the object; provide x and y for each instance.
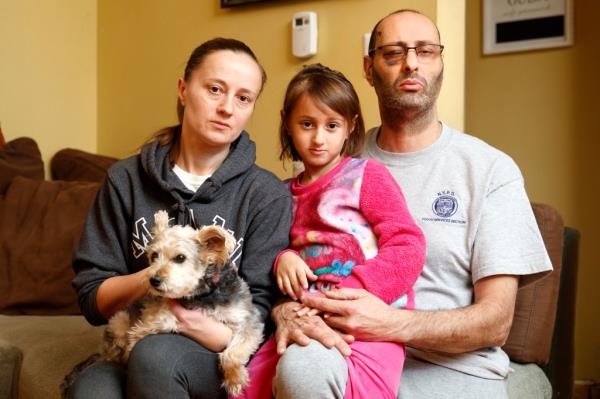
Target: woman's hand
(293, 274)
(202, 328)
(292, 328)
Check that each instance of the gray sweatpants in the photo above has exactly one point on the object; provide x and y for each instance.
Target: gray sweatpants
(317, 372)
(160, 366)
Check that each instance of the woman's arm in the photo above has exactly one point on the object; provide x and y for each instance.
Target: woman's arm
(115, 293)
(266, 235)
(101, 256)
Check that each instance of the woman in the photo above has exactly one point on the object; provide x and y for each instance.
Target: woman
(202, 172)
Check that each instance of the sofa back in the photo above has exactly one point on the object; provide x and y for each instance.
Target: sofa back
(40, 225)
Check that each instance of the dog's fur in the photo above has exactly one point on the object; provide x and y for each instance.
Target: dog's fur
(193, 267)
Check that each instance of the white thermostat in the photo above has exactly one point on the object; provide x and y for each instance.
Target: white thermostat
(304, 34)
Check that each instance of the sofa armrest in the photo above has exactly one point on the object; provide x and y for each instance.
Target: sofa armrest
(530, 337)
(560, 369)
(11, 359)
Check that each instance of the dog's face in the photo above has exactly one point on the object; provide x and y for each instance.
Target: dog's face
(183, 260)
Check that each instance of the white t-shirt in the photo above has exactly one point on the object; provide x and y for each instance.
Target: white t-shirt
(190, 181)
(469, 199)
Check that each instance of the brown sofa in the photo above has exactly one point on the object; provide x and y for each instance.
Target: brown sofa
(42, 334)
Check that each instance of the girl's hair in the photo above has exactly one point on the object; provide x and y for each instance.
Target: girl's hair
(332, 89)
(172, 133)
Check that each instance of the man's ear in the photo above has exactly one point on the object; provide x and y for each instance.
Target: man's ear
(368, 68)
(181, 91)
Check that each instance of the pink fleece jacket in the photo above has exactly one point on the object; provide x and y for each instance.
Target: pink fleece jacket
(353, 228)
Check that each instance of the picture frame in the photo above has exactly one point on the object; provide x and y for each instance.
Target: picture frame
(235, 3)
(523, 25)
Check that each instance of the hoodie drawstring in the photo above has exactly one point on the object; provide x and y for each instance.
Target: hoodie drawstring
(184, 214)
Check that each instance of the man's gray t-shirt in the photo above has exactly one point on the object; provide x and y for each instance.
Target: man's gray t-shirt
(469, 199)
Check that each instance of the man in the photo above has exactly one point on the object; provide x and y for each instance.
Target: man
(470, 201)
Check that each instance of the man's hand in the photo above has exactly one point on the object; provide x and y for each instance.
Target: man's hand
(357, 312)
(292, 328)
(482, 324)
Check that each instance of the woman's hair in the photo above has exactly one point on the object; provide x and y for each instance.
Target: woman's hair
(172, 133)
(332, 89)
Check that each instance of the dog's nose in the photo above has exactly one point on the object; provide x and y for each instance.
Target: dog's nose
(155, 281)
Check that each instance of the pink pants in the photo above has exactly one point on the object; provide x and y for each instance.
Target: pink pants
(374, 370)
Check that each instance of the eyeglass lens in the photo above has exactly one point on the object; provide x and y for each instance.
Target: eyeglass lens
(397, 52)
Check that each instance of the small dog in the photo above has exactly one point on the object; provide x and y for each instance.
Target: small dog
(193, 267)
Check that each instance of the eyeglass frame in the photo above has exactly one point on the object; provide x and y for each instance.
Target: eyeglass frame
(372, 51)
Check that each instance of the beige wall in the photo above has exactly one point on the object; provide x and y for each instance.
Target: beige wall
(451, 24)
(540, 107)
(143, 46)
(48, 73)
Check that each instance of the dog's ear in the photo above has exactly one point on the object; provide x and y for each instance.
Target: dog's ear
(161, 221)
(217, 241)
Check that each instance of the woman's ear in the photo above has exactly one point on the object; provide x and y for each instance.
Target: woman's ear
(181, 91)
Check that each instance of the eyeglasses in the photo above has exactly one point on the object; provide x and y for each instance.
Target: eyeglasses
(397, 52)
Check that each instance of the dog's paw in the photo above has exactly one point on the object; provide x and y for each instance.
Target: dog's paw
(235, 379)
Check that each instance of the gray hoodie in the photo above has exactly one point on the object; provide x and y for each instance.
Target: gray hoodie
(248, 201)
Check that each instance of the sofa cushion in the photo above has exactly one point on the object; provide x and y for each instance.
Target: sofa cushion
(529, 340)
(528, 381)
(10, 365)
(70, 164)
(41, 224)
(20, 157)
(50, 347)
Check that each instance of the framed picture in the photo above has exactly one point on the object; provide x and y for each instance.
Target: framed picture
(521, 25)
(233, 3)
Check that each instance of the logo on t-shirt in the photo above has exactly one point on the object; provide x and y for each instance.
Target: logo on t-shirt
(445, 205)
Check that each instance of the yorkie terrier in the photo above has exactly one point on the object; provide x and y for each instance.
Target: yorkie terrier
(193, 267)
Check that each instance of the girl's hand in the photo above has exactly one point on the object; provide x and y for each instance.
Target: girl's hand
(293, 275)
(202, 328)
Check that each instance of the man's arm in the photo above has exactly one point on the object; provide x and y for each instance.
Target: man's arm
(484, 323)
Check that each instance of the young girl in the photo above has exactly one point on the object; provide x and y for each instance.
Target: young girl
(351, 225)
